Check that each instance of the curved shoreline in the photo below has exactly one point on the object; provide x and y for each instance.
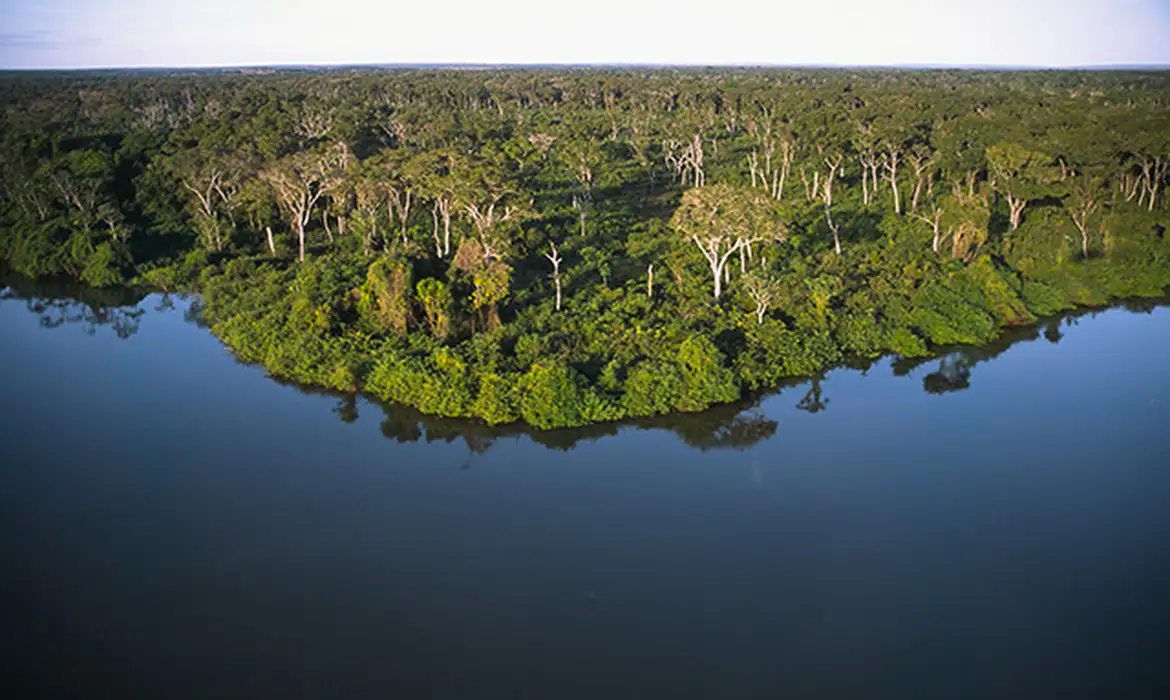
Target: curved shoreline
(1007, 337)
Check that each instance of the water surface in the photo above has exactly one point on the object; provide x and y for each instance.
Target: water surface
(991, 523)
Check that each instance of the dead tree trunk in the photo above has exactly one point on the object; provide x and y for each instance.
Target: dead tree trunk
(891, 167)
(836, 229)
(555, 258)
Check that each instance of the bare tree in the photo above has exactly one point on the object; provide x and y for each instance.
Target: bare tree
(686, 160)
(890, 164)
(826, 193)
(582, 204)
(486, 219)
(1153, 172)
(869, 173)
(780, 174)
(555, 258)
(400, 197)
(835, 228)
(757, 175)
(444, 201)
(923, 164)
(695, 159)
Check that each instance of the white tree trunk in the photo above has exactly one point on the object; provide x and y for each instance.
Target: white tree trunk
(1016, 207)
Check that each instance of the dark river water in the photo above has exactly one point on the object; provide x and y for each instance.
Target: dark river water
(989, 524)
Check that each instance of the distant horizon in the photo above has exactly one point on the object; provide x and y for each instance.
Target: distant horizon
(490, 65)
(955, 34)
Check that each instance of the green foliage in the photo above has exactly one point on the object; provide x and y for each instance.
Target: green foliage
(495, 401)
(550, 396)
(435, 298)
(427, 201)
(1044, 299)
(904, 342)
(385, 297)
(705, 379)
(653, 387)
(103, 267)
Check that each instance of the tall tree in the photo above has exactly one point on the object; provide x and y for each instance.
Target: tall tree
(1021, 175)
(722, 220)
(300, 180)
(1083, 201)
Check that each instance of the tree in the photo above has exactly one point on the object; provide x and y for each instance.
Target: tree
(435, 298)
(81, 182)
(1083, 201)
(965, 221)
(299, 180)
(762, 288)
(934, 221)
(583, 158)
(921, 160)
(1020, 174)
(492, 280)
(386, 294)
(489, 202)
(487, 218)
(826, 195)
(555, 258)
(370, 205)
(438, 173)
(214, 185)
(722, 220)
(686, 160)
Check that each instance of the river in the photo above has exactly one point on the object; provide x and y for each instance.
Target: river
(991, 523)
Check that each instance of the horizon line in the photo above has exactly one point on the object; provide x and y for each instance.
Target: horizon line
(502, 65)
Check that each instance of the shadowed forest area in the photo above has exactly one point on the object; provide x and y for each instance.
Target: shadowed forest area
(570, 247)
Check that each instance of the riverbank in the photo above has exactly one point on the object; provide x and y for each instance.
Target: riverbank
(627, 356)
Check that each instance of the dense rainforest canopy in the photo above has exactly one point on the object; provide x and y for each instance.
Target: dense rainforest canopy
(567, 247)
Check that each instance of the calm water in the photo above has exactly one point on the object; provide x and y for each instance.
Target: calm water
(175, 524)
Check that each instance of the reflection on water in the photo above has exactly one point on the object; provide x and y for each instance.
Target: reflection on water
(814, 400)
(732, 426)
(176, 525)
(736, 426)
(60, 302)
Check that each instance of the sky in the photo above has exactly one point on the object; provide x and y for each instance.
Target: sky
(136, 33)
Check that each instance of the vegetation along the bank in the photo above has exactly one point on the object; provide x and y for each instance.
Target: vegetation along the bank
(566, 247)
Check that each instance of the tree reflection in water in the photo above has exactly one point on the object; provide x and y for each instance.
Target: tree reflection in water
(953, 374)
(59, 302)
(734, 426)
(814, 400)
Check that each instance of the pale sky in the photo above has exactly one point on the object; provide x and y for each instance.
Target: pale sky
(116, 33)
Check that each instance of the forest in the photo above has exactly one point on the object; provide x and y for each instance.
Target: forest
(568, 247)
